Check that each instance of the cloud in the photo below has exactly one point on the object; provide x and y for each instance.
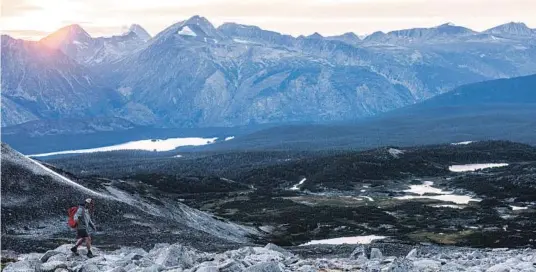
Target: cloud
(18, 8)
(25, 34)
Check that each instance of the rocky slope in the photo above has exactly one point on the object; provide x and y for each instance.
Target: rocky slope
(35, 199)
(195, 75)
(271, 258)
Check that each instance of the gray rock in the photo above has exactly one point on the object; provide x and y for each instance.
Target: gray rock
(427, 265)
(207, 269)
(51, 266)
(358, 252)
(375, 254)
(64, 270)
(478, 255)
(48, 254)
(118, 269)
(266, 267)
(400, 265)
(412, 254)
(26, 265)
(59, 257)
(153, 268)
(279, 249)
(89, 268)
(499, 268)
(307, 268)
(231, 266)
(176, 255)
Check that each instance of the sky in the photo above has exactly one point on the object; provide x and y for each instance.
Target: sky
(34, 19)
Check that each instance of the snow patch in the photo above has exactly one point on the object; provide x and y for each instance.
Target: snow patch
(346, 240)
(395, 152)
(369, 198)
(475, 167)
(448, 206)
(242, 41)
(148, 145)
(458, 199)
(426, 188)
(187, 31)
(295, 187)
(463, 143)
(517, 208)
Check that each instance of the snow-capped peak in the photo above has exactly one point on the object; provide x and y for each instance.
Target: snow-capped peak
(201, 27)
(67, 35)
(140, 32)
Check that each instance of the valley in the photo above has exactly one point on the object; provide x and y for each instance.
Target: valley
(431, 194)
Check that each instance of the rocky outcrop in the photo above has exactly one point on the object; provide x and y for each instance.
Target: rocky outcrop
(272, 258)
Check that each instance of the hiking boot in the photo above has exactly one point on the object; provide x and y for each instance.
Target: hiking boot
(90, 254)
(74, 250)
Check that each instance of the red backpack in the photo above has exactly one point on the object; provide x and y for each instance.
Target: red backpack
(71, 212)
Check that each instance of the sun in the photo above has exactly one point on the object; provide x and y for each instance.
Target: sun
(47, 17)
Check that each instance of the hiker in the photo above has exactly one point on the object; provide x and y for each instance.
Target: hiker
(83, 222)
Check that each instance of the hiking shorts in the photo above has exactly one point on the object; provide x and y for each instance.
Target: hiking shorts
(81, 233)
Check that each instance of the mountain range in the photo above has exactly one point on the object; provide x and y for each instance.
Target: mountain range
(499, 109)
(193, 74)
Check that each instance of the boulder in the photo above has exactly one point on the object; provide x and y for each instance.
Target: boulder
(358, 252)
(207, 269)
(58, 257)
(307, 268)
(499, 268)
(52, 266)
(231, 266)
(279, 249)
(48, 254)
(89, 268)
(176, 255)
(25, 265)
(153, 268)
(412, 254)
(118, 269)
(400, 265)
(266, 267)
(375, 254)
(427, 265)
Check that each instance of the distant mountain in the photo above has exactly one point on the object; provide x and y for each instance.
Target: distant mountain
(349, 37)
(76, 43)
(140, 32)
(512, 30)
(514, 91)
(446, 32)
(195, 75)
(43, 83)
(493, 110)
(245, 34)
